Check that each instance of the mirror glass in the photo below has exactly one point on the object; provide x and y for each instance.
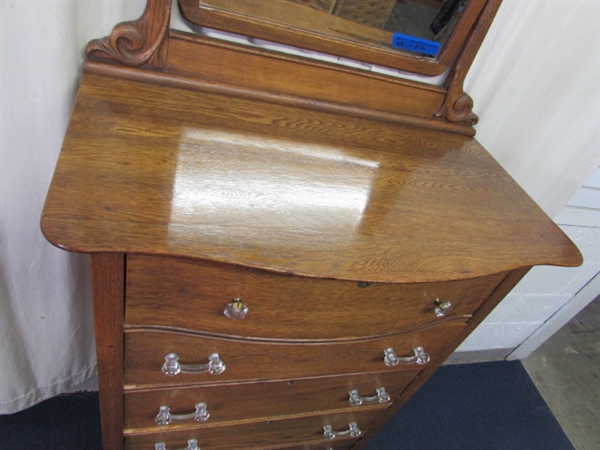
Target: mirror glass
(431, 20)
(420, 36)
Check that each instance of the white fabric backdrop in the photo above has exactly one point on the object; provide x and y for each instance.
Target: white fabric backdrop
(536, 88)
(46, 330)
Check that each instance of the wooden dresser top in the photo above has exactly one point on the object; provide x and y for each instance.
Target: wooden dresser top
(163, 170)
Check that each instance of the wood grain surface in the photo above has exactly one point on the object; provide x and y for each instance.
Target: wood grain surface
(248, 360)
(202, 59)
(192, 295)
(151, 169)
(108, 280)
(273, 434)
(247, 402)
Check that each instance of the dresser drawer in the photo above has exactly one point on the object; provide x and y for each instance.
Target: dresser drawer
(193, 295)
(245, 360)
(238, 402)
(261, 435)
(336, 445)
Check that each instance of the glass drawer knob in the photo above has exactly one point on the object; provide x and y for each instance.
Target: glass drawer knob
(442, 307)
(236, 309)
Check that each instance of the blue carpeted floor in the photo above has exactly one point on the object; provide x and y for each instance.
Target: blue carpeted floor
(489, 406)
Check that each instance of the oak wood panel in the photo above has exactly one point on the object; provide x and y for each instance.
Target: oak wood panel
(207, 59)
(338, 444)
(254, 436)
(108, 282)
(216, 87)
(193, 295)
(265, 400)
(287, 447)
(346, 444)
(248, 360)
(160, 170)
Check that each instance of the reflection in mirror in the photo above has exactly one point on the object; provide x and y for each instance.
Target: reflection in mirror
(417, 36)
(426, 19)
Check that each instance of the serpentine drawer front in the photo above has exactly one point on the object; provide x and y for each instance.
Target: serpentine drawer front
(250, 436)
(194, 295)
(264, 400)
(247, 360)
(192, 372)
(194, 384)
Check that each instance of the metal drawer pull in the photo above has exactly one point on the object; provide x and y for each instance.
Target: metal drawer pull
(381, 397)
(172, 366)
(352, 430)
(192, 445)
(164, 416)
(391, 359)
(442, 307)
(236, 309)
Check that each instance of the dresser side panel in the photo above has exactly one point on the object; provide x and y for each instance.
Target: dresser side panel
(108, 285)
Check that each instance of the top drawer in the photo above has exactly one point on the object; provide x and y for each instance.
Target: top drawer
(193, 295)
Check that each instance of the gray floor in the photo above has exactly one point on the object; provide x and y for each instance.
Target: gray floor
(566, 371)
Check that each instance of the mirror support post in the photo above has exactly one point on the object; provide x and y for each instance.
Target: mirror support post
(458, 105)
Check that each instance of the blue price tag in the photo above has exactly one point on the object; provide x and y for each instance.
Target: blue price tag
(415, 44)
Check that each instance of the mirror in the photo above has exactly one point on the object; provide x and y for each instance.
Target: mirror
(419, 36)
(430, 20)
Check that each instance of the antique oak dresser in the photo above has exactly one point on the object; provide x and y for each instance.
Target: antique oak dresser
(283, 250)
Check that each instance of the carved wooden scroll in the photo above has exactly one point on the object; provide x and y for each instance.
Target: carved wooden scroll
(142, 42)
(458, 105)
